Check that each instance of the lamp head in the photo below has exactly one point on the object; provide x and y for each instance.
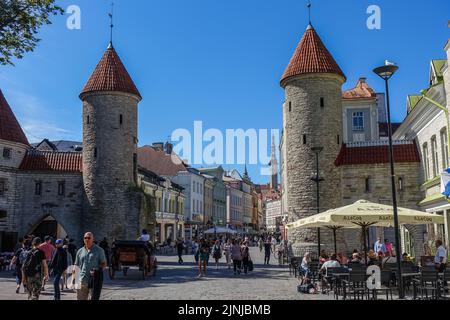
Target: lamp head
(316, 150)
(386, 72)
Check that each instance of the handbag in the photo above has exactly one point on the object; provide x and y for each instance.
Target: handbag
(250, 265)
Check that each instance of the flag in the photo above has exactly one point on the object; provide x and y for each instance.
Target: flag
(445, 183)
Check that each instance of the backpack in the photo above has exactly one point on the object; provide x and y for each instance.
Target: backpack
(23, 256)
(306, 288)
(32, 265)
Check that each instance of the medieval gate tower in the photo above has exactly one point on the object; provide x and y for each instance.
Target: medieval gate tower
(312, 115)
(110, 101)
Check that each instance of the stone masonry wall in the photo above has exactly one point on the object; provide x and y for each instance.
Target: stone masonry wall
(108, 165)
(354, 189)
(322, 127)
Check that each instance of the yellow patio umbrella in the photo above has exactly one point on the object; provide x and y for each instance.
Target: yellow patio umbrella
(364, 214)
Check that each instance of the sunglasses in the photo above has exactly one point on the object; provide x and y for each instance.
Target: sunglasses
(87, 237)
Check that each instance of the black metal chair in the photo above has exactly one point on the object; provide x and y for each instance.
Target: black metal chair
(386, 285)
(443, 282)
(428, 282)
(293, 266)
(355, 285)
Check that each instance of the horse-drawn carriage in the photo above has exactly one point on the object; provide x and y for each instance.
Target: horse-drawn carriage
(126, 254)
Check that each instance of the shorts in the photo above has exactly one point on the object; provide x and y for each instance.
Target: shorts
(204, 256)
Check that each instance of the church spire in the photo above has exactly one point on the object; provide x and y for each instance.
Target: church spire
(273, 166)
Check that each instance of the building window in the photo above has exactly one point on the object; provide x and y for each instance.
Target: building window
(367, 184)
(322, 102)
(358, 121)
(7, 153)
(304, 139)
(61, 188)
(121, 119)
(426, 162)
(434, 156)
(444, 147)
(95, 152)
(88, 120)
(290, 106)
(3, 214)
(338, 140)
(2, 187)
(38, 188)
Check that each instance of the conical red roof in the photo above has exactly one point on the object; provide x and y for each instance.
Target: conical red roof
(110, 75)
(311, 56)
(10, 129)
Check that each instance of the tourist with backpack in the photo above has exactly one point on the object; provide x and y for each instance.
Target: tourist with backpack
(58, 265)
(18, 260)
(35, 270)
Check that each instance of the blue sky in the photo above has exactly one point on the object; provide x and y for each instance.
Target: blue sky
(219, 61)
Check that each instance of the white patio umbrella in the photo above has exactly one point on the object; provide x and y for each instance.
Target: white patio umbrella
(364, 214)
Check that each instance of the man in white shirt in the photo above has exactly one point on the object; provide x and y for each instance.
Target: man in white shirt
(332, 263)
(440, 259)
(379, 246)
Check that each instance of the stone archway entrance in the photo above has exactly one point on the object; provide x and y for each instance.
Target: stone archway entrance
(49, 227)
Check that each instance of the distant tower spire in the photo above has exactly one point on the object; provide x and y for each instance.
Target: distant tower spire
(274, 166)
(111, 25)
(309, 11)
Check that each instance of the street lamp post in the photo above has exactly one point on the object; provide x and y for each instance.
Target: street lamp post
(317, 180)
(386, 72)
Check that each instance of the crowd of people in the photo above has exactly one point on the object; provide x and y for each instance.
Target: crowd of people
(35, 262)
(381, 255)
(235, 251)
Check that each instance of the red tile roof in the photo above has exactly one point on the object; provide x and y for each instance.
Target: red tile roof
(110, 75)
(376, 154)
(159, 162)
(10, 129)
(311, 56)
(52, 161)
(362, 91)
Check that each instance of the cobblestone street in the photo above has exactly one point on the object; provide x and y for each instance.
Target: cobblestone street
(175, 282)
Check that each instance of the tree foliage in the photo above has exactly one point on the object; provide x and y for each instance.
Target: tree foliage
(20, 21)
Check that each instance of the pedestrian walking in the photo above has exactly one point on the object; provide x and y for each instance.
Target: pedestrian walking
(236, 255)
(217, 253)
(58, 265)
(261, 244)
(180, 247)
(91, 261)
(267, 251)
(226, 252)
(69, 264)
(35, 270)
(18, 260)
(245, 256)
(196, 250)
(48, 249)
(204, 251)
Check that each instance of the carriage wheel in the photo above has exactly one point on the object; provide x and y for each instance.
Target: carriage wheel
(153, 267)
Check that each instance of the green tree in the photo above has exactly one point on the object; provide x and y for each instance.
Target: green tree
(20, 21)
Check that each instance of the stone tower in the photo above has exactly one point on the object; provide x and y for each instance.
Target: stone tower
(110, 101)
(312, 118)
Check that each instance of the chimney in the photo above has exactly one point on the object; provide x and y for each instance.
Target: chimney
(159, 146)
(168, 147)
